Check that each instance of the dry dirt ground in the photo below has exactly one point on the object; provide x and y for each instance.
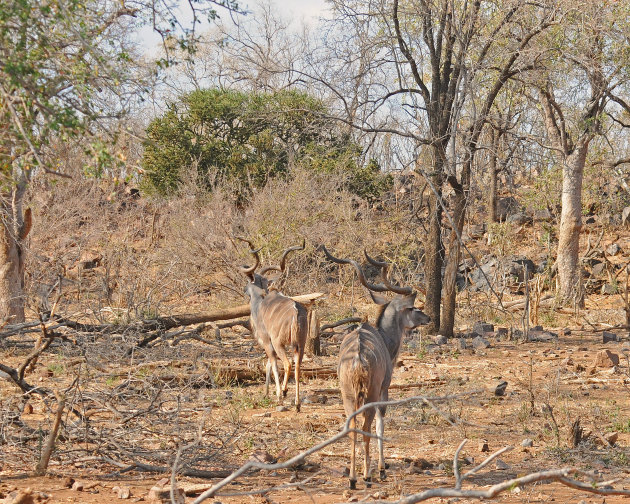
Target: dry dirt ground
(145, 406)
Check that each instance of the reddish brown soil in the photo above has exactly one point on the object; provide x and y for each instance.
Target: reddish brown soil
(559, 374)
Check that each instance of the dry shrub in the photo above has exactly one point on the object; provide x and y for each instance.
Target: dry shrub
(159, 257)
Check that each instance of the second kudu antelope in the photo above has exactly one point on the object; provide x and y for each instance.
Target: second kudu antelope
(277, 322)
(367, 357)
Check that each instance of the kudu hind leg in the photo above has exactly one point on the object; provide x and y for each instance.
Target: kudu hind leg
(353, 454)
(368, 416)
(273, 363)
(287, 369)
(267, 376)
(299, 353)
(380, 430)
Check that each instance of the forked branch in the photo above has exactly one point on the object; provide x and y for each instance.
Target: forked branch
(566, 476)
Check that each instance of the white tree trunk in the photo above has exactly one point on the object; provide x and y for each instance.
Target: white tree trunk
(569, 269)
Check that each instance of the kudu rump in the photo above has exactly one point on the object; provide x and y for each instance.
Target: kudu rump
(367, 357)
(277, 322)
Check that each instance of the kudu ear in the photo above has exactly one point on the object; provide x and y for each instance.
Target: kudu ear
(409, 300)
(378, 299)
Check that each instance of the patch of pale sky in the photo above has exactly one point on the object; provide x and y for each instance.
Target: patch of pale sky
(297, 12)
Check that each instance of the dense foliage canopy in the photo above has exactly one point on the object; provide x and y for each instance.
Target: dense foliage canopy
(244, 138)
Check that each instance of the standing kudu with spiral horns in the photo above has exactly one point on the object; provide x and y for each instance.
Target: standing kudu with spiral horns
(277, 322)
(367, 357)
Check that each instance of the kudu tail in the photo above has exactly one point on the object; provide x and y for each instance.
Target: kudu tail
(360, 381)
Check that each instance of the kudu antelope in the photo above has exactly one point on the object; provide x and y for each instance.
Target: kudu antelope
(367, 357)
(277, 322)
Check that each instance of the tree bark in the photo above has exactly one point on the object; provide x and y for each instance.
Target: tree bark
(313, 345)
(12, 234)
(492, 194)
(569, 270)
(434, 246)
(447, 322)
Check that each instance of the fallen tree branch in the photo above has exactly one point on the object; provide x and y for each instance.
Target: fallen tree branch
(301, 456)
(26, 387)
(156, 324)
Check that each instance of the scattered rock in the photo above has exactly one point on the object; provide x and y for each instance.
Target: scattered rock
(506, 207)
(263, 457)
(625, 214)
(564, 332)
(422, 463)
(502, 332)
(77, 486)
(606, 359)
(266, 414)
(543, 215)
(500, 389)
(440, 340)
(25, 496)
(315, 399)
(500, 465)
(123, 492)
(282, 408)
(609, 289)
(609, 336)
(542, 336)
(613, 249)
(519, 219)
(612, 438)
(481, 328)
(162, 495)
(527, 443)
(460, 343)
(597, 268)
(480, 342)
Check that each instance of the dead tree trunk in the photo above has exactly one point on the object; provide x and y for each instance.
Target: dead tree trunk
(313, 344)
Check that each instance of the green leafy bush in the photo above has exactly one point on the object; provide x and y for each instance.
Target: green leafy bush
(243, 139)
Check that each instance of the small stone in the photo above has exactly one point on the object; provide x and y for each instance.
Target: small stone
(613, 249)
(123, 492)
(460, 343)
(606, 359)
(440, 340)
(162, 495)
(263, 457)
(527, 443)
(315, 399)
(500, 389)
(422, 463)
(609, 336)
(565, 332)
(281, 408)
(68, 482)
(612, 438)
(500, 465)
(77, 486)
(481, 328)
(542, 336)
(502, 332)
(266, 414)
(608, 289)
(483, 447)
(480, 343)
